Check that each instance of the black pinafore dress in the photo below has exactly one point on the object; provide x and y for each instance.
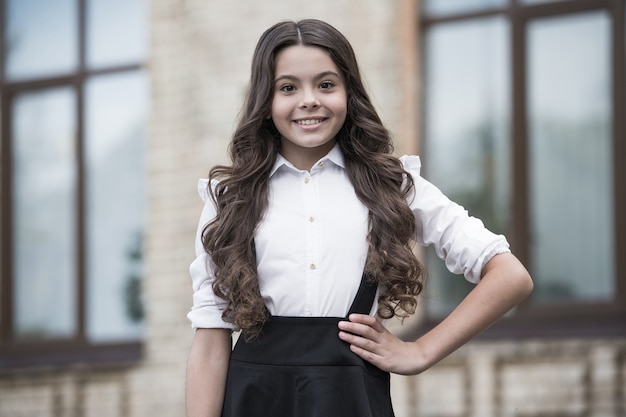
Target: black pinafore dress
(298, 367)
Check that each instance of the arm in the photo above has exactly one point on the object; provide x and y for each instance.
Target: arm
(504, 284)
(207, 368)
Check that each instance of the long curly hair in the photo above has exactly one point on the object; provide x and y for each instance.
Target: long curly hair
(241, 190)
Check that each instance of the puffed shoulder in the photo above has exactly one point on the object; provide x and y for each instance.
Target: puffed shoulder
(411, 163)
(203, 188)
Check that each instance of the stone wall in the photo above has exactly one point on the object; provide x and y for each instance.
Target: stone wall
(528, 378)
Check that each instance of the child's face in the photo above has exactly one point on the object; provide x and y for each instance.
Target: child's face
(309, 104)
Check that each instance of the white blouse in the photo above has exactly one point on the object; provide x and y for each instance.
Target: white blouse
(312, 243)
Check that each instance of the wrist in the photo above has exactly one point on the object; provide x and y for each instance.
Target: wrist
(423, 358)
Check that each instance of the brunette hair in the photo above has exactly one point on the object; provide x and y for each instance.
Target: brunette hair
(241, 189)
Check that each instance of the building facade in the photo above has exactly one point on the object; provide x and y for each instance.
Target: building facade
(516, 107)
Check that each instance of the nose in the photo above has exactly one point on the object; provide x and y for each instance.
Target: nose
(309, 99)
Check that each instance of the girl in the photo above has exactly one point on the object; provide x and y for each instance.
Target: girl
(304, 244)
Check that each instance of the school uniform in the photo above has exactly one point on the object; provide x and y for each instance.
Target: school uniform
(311, 248)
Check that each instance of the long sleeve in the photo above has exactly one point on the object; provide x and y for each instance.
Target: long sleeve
(462, 241)
(206, 311)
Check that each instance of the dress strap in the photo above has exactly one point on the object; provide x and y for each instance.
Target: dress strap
(364, 298)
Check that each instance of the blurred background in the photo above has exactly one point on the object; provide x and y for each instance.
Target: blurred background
(110, 110)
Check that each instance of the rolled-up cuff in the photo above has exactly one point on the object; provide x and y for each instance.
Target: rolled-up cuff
(495, 248)
(205, 320)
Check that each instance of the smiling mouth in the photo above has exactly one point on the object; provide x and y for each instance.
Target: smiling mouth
(309, 122)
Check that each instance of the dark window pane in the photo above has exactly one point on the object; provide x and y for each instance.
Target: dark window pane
(44, 214)
(434, 8)
(116, 112)
(41, 38)
(117, 32)
(570, 166)
(467, 127)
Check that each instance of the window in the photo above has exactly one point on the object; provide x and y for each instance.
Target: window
(74, 99)
(524, 111)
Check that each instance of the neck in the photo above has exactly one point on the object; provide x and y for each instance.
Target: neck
(305, 158)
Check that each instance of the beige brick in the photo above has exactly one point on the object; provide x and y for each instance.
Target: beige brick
(604, 381)
(27, 401)
(543, 388)
(103, 399)
(441, 391)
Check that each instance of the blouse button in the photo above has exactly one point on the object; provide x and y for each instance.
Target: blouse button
(306, 180)
(311, 219)
(321, 164)
(312, 266)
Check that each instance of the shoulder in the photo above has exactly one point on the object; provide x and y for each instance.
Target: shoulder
(203, 188)
(411, 163)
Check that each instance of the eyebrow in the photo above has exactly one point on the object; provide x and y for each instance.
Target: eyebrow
(317, 77)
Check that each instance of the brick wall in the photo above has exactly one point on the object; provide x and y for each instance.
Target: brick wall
(530, 378)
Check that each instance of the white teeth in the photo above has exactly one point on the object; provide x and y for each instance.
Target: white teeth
(309, 122)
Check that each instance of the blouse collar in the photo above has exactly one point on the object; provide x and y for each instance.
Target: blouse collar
(335, 156)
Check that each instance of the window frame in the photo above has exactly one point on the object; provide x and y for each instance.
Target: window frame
(570, 318)
(78, 349)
